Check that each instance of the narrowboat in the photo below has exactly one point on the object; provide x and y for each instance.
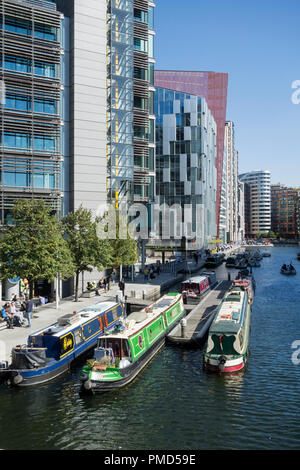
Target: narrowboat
(50, 351)
(120, 356)
(228, 337)
(194, 288)
(214, 260)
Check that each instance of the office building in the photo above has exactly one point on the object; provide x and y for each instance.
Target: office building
(185, 163)
(78, 125)
(31, 113)
(259, 217)
(110, 60)
(212, 87)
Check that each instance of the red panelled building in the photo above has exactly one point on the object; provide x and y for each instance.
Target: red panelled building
(213, 87)
(285, 208)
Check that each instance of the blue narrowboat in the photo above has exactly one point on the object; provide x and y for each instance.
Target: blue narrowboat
(50, 351)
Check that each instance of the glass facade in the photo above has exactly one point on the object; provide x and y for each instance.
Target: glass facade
(213, 87)
(30, 139)
(185, 157)
(131, 121)
(120, 100)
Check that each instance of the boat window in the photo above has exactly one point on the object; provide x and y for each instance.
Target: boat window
(78, 336)
(114, 312)
(126, 351)
(115, 345)
(101, 343)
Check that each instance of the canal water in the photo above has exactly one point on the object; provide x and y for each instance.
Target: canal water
(174, 404)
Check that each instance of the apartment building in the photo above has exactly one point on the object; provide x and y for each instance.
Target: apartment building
(258, 213)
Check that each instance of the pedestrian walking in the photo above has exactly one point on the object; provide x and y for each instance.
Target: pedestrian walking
(29, 309)
(122, 286)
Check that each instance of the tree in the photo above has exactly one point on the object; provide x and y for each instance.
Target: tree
(124, 248)
(113, 226)
(87, 249)
(34, 247)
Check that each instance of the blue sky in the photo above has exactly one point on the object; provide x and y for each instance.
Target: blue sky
(258, 44)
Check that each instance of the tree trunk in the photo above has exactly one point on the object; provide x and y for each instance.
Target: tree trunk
(76, 285)
(31, 288)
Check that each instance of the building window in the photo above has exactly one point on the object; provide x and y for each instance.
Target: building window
(140, 45)
(140, 15)
(45, 69)
(17, 64)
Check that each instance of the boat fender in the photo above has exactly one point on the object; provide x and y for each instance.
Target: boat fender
(17, 379)
(87, 385)
(222, 360)
(83, 376)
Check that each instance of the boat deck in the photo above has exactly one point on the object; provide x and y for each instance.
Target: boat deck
(200, 318)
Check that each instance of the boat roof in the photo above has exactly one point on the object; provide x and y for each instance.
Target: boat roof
(229, 314)
(81, 317)
(138, 320)
(195, 280)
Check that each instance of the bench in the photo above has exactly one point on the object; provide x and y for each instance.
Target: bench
(88, 294)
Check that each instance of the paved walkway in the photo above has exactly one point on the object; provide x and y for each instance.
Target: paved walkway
(46, 315)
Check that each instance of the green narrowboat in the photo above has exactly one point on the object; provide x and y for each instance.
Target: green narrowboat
(121, 355)
(228, 338)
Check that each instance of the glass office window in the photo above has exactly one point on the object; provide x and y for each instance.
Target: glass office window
(17, 64)
(45, 69)
(16, 179)
(140, 15)
(44, 143)
(17, 140)
(44, 31)
(151, 130)
(151, 17)
(140, 45)
(151, 74)
(150, 45)
(15, 25)
(44, 181)
(45, 106)
(17, 102)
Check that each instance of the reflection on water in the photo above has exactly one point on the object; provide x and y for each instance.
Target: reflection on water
(174, 404)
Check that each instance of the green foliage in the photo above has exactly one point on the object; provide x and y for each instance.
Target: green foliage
(124, 248)
(87, 249)
(34, 246)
